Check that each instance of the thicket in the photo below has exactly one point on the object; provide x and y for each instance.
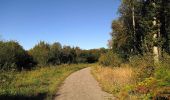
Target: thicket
(14, 57)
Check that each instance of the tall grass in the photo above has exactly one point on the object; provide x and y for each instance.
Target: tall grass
(113, 79)
(123, 82)
(41, 83)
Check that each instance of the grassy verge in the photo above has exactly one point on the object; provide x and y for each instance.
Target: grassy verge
(113, 79)
(122, 83)
(38, 84)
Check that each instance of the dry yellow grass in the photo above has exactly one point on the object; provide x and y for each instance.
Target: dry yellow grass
(113, 79)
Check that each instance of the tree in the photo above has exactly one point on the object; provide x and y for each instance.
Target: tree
(156, 35)
(13, 56)
(41, 53)
(126, 29)
(55, 52)
(121, 39)
(143, 27)
(66, 56)
(164, 17)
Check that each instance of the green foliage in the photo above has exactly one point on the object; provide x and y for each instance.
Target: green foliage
(162, 71)
(146, 68)
(163, 75)
(132, 33)
(121, 39)
(142, 60)
(46, 54)
(93, 55)
(144, 65)
(151, 78)
(55, 53)
(142, 27)
(68, 55)
(41, 53)
(13, 56)
(90, 56)
(110, 59)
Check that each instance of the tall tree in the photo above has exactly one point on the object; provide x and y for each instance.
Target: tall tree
(156, 34)
(41, 53)
(143, 26)
(55, 52)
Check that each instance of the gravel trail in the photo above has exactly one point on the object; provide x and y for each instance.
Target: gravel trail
(81, 85)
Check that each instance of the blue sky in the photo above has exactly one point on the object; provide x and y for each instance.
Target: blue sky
(83, 23)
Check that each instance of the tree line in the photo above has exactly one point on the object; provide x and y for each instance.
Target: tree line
(14, 57)
(143, 27)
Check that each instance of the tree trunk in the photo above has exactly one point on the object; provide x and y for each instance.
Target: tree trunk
(155, 38)
(133, 19)
(134, 26)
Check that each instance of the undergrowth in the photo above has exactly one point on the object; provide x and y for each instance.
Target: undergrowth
(138, 79)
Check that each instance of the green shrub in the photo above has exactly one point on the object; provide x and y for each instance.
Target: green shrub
(144, 65)
(89, 56)
(110, 59)
(92, 58)
(162, 72)
(163, 75)
(68, 55)
(145, 72)
(141, 60)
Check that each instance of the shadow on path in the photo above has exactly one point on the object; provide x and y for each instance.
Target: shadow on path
(22, 97)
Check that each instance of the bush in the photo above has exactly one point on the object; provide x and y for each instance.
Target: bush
(68, 55)
(13, 56)
(141, 60)
(110, 59)
(144, 65)
(89, 56)
(146, 68)
(162, 71)
(163, 75)
(92, 58)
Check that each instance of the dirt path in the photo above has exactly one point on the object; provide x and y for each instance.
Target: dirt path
(82, 86)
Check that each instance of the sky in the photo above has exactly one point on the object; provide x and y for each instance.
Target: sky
(82, 23)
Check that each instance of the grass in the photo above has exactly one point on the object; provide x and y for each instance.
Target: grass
(38, 84)
(117, 75)
(122, 82)
(113, 79)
